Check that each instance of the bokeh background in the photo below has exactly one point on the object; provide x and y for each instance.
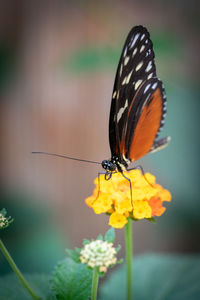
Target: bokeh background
(57, 66)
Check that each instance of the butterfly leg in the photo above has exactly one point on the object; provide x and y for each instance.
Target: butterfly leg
(107, 175)
(130, 187)
(99, 173)
(142, 171)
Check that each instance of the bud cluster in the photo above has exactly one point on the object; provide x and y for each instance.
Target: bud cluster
(3, 221)
(100, 254)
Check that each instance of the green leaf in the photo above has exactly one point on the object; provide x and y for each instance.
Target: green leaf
(11, 287)
(3, 212)
(110, 235)
(100, 237)
(85, 242)
(153, 220)
(74, 254)
(120, 261)
(157, 277)
(77, 250)
(118, 248)
(71, 280)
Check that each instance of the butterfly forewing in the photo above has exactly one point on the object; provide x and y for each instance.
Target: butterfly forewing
(136, 65)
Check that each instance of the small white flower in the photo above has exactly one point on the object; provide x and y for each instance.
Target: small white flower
(3, 221)
(98, 254)
(103, 269)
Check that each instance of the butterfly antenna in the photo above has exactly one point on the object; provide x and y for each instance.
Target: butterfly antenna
(67, 157)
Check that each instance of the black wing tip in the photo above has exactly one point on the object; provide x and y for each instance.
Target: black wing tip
(139, 28)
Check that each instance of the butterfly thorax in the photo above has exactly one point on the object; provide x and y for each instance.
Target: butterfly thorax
(113, 165)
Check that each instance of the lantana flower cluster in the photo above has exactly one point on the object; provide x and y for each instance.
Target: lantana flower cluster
(99, 254)
(4, 221)
(114, 197)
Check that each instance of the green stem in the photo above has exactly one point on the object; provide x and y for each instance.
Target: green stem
(129, 249)
(95, 280)
(16, 270)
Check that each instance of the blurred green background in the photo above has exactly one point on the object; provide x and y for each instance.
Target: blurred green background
(57, 67)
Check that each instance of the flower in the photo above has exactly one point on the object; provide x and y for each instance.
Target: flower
(99, 254)
(4, 221)
(114, 197)
(117, 220)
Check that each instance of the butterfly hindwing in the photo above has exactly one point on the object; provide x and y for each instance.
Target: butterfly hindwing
(136, 65)
(160, 144)
(145, 118)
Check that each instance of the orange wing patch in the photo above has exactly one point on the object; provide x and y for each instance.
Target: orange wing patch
(147, 127)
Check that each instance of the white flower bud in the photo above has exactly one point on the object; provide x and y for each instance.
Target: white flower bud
(3, 221)
(98, 254)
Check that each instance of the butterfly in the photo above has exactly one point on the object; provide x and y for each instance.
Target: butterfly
(138, 106)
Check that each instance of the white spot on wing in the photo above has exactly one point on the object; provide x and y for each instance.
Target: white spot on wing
(125, 51)
(142, 37)
(134, 51)
(142, 48)
(120, 72)
(139, 66)
(150, 75)
(137, 84)
(154, 85)
(121, 111)
(147, 87)
(114, 94)
(126, 60)
(148, 52)
(149, 66)
(124, 81)
(134, 40)
(129, 76)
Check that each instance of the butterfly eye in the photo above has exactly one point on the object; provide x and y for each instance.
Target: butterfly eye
(108, 165)
(105, 164)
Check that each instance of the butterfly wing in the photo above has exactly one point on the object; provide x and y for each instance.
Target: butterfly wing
(136, 65)
(160, 144)
(145, 119)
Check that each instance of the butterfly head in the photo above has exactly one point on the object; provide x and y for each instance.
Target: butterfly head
(109, 165)
(113, 165)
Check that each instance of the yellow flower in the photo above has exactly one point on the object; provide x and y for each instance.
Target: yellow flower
(117, 220)
(102, 204)
(114, 197)
(141, 210)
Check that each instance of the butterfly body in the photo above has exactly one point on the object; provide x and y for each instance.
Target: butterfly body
(138, 106)
(114, 165)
